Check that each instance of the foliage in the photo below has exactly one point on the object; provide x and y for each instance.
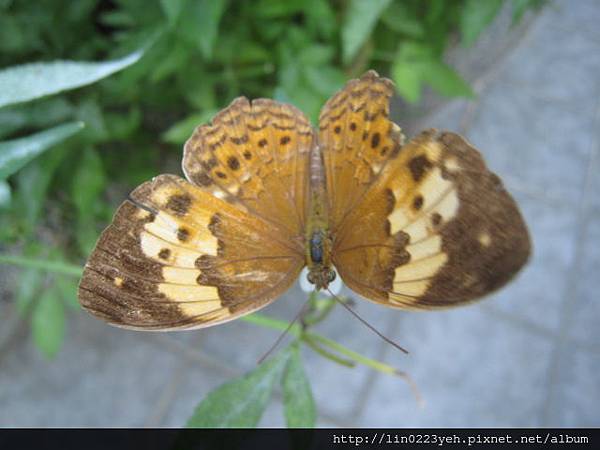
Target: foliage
(141, 75)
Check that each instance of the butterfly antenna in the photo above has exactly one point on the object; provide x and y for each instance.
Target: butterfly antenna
(367, 324)
(282, 335)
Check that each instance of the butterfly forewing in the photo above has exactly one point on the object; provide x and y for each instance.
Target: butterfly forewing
(177, 257)
(357, 140)
(255, 154)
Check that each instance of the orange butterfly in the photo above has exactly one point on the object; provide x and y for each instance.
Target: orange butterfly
(419, 225)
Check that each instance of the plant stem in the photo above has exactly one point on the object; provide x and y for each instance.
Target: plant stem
(354, 356)
(326, 353)
(48, 266)
(270, 322)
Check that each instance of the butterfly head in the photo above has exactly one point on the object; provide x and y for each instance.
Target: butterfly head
(321, 276)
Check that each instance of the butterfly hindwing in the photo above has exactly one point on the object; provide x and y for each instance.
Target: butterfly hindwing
(442, 229)
(177, 257)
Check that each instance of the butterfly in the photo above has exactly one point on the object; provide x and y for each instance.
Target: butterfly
(416, 225)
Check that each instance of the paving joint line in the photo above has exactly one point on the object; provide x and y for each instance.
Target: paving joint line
(571, 290)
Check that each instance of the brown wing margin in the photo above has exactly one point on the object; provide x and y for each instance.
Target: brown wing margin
(175, 257)
(442, 229)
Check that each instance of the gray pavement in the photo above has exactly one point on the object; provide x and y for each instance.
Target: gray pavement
(527, 356)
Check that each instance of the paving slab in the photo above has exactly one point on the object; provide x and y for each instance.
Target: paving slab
(472, 370)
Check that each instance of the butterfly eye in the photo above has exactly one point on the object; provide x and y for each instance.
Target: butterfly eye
(331, 276)
(310, 278)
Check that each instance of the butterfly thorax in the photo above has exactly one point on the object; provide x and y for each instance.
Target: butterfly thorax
(318, 239)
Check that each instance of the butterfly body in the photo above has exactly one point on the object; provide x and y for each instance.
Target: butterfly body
(318, 240)
(417, 225)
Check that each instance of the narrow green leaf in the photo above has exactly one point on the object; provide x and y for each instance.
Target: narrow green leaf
(445, 80)
(298, 401)
(475, 16)
(407, 77)
(360, 19)
(240, 403)
(29, 81)
(48, 323)
(42, 114)
(18, 152)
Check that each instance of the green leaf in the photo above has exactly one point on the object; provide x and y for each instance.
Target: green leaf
(359, 21)
(5, 195)
(325, 79)
(18, 152)
(48, 323)
(475, 17)
(90, 113)
(520, 6)
(240, 403)
(298, 401)
(87, 185)
(29, 284)
(401, 18)
(182, 130)
(67, 291)
(34, 80)
(88, 181)
(33, 182)
(172, 9)
(200, 23)
(269, 9)
(408, 78)
(445, 80)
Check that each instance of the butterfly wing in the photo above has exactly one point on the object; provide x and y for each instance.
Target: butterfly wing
(357, 140)
(432, 226)
(176, 257)
(255, 155)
